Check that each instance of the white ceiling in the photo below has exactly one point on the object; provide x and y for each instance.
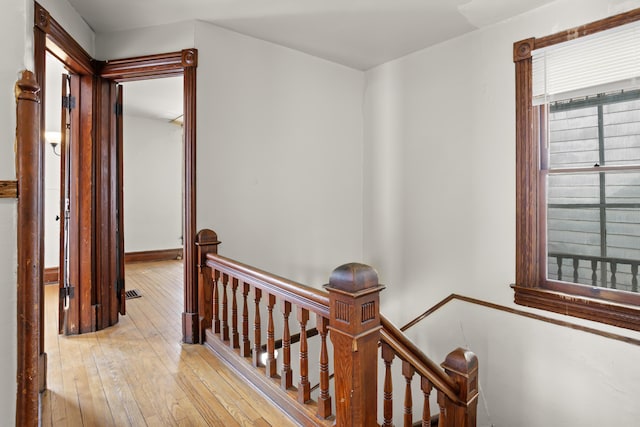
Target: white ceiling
(356, 33)
(154, 99)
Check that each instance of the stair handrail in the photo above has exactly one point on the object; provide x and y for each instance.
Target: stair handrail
(349, 311)
(310, 298)
(407, 350)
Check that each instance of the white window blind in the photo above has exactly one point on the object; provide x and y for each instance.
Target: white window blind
(598, 63)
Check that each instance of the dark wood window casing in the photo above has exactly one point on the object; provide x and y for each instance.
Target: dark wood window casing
(532, 288)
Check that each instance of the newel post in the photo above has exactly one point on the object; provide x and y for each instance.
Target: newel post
(29, 160)
(354, 305)
(206, 243)
(462, 366)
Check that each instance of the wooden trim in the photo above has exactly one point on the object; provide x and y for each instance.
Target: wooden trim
(39, 46)
(51, 275)
(526, 170)
(191, 317)
(155, 255)
(532, 289)
(8, 189)
(304, 414)
(29, 250)
(611, 313)
(182, 63)
(428, 313)
(61, 44)
(143, 67)
(522, 313)
(587, 29)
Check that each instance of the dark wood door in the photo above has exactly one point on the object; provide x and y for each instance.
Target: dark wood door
(92, 291)
(109, 259)
(118, 193)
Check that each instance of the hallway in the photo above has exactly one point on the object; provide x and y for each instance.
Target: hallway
(138, 373)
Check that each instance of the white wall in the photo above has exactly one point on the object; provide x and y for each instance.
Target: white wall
(279, 173)
(152, 184)
(534, 373)
(450, 138)
(279, 170)
(145, 41)
(13, 20)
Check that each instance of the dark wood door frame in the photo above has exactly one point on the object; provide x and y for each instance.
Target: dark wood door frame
(50, 36)
(183, 64)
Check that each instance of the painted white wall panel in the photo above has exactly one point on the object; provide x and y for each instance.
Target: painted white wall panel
(152, 184)
(279, 155)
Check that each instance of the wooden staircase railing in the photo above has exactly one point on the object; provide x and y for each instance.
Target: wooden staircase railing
(457, 385)
(232, 298)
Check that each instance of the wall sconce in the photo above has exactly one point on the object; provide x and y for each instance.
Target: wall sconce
(53, 138)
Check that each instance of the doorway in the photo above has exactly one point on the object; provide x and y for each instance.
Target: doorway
(153, 169)
(94, 79)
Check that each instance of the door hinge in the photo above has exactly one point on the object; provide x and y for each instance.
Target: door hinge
(69, 102)
(119, 285)
(67, 291)
(117, 109)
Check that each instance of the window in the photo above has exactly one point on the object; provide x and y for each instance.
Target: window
(591, 164)
(578, 171)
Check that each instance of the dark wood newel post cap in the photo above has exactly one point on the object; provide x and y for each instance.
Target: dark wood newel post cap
(206, 237)
(462, 365)
(354, 325)
(461, 360)
(353, 277)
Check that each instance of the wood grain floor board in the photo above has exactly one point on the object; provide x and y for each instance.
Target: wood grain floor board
(138, 372)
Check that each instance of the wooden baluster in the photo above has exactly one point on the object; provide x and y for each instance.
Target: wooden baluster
(216, 303)
(304, 388)
(634, 277)
(425, 385)
(245, 348)
(224, 326)
(324, 399)
(257, 339)
(594, 272)
(559, 262)
(407, 372)
(576, 264)
(614, 280)
(387, 356)
(235, 341)
(442, 403)
(270, 366)
(286, 378)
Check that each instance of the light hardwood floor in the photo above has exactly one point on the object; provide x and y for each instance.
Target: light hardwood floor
(137, 373)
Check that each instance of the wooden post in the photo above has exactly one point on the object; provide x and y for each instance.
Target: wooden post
(354, 295)
(462, 366)
(190, 316)
(30, 268)
(206, 243)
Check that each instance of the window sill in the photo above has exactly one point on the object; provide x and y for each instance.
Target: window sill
(611, 313)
